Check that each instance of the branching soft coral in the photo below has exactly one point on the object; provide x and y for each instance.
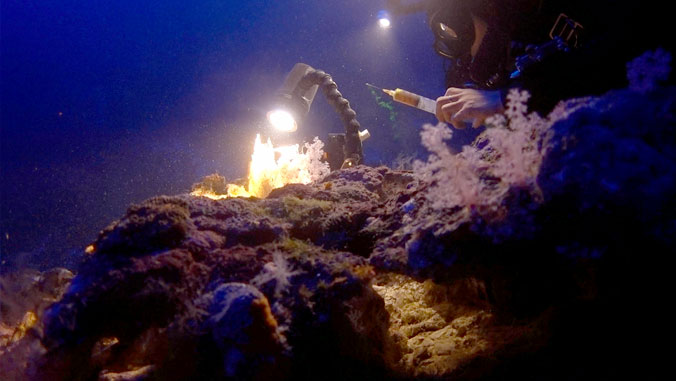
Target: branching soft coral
(512, 148)
(454, 178)
(278, 271)
(515, 140)
(511, 154)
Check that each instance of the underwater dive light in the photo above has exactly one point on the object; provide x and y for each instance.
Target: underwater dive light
(293, 103)
(384, 20)
(282, 120)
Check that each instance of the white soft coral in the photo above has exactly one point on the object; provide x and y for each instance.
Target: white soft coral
(511, 154)
(279, 270)
(455, 180)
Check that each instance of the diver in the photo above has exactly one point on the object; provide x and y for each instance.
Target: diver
(555, 49)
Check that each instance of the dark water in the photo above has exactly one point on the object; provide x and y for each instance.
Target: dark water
(109, 103)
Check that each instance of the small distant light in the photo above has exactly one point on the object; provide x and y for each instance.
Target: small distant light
(384, 19)
(282, 120)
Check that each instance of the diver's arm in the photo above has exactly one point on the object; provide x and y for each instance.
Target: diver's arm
(459, 106)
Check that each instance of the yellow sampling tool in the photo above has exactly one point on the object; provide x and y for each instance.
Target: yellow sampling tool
(410, 99)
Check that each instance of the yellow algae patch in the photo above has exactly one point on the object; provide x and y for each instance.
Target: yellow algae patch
(442, 328)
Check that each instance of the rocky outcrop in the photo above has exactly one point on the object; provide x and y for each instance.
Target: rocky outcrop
(364, 276)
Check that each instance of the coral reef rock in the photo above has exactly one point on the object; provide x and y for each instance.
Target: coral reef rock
(547, 273)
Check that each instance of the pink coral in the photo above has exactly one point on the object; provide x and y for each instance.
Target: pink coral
(511, 154)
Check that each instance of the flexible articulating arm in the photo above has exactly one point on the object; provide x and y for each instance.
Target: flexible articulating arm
(353, 153)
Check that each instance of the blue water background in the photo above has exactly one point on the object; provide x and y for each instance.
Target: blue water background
(107, 103)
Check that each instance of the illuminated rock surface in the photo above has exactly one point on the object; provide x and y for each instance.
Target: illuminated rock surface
(358, 276)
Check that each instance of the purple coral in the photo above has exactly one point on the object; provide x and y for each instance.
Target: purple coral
(648, 70)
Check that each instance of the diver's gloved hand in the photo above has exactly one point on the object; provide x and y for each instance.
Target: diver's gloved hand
(460, 106)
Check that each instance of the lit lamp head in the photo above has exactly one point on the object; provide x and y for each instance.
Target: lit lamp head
(293, 101)
(384, 20)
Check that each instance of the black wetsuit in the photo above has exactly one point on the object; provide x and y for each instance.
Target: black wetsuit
(614, 32)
